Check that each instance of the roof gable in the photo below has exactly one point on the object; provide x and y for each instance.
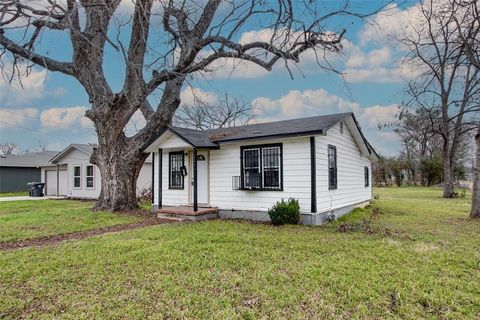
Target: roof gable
(85, 148)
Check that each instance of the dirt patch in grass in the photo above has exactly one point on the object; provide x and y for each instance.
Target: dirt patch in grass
(79, 235)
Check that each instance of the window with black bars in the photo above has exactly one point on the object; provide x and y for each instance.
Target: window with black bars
(262, 167)
(176, 162)
(332, 167)
(367, 177)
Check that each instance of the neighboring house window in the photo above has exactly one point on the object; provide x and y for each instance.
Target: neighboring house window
(332, 167)
(77, 176)
(367, 177)
(89, 178)
(176, 167)
(262, 167)
(341, 127)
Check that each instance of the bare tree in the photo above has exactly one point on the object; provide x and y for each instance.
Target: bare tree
(42, 146)
(449, 88)
(8, 148)
(202, 115)
(191, 37)
(468, 26)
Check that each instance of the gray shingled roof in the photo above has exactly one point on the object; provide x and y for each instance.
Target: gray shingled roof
(294, 127)
(30, 160)
(197, 138)
(287, 128)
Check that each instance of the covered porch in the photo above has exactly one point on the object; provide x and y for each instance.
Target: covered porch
(180, 175)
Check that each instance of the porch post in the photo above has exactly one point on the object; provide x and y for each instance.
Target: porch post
(58, 179)
(160, 178)
(153, 179)
(313, 176)
(195, 183)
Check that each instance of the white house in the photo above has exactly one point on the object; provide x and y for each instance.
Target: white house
(71, 174)
(240, 172)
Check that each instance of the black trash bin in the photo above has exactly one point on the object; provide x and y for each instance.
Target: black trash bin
(35, 189)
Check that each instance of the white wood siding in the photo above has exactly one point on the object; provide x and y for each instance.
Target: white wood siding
(225, 163)
(170, 197)
(350, 171)
(78, 158)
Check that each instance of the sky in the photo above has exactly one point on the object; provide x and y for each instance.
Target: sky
(48, 108)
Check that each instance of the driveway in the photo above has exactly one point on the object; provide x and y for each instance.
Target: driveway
(21, 198)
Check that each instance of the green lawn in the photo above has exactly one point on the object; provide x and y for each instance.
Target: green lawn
(13, 194)
(20, 220)
(421, 259)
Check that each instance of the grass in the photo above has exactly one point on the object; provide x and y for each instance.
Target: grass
(21, 220)
(13, 194)
(425, 266)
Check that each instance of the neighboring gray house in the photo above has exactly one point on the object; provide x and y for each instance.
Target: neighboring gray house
(240, 172)
(17, 170)
(70, 173)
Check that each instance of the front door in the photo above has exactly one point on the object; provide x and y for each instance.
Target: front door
(202, 182)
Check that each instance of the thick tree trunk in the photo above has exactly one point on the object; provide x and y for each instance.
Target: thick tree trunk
(448, 183)
(475, 213)
(119, 159)
(119, 178)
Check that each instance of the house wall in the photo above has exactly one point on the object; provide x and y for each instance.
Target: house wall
(351, 188)
(225, 163)
(171, 197)
(14, 179)
(79, 158)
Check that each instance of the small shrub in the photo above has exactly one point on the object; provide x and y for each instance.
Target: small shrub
(285, 212)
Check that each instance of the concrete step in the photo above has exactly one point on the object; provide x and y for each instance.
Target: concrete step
(171, 217)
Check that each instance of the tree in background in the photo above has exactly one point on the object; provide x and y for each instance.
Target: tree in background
(446, 92)
(432, 170)
(468, 26)
(190, 37)
(8, 148)
(201, 115)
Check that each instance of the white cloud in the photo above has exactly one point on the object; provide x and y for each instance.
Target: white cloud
(301, 103)
(318, 102)
(24, 90)
(60, 118)
(11, 118)
(190, 95)
(373, 116)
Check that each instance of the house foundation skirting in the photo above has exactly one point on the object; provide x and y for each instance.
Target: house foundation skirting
(316, 218)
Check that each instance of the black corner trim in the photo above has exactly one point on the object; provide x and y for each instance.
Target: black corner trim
(313, 175)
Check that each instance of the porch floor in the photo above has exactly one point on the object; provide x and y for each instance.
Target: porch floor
(187, 213)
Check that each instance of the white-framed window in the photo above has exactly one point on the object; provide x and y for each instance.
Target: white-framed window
(89, 177)
(77, 177)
